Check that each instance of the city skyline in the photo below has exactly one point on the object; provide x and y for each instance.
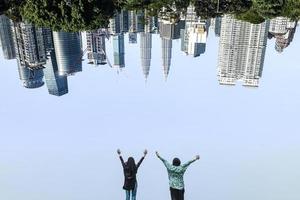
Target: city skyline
(52, 56)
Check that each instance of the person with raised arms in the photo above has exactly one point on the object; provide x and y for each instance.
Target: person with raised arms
(130, 170)
(176, 173)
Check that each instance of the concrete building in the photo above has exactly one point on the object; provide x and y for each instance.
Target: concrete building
(194, 36)
(29, 45)
(283, 30)
(6, 38)
(96, 51)
(170, 30)
(242, 50)
(120, 23)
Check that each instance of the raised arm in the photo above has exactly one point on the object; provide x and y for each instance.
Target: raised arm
(185, 165)
(166, 163)
(121, 158)
(157, 154)
(141, 160)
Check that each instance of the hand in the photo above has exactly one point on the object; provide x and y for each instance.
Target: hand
(145, 152)
(157, 154)
(119, 151)
(197, 157)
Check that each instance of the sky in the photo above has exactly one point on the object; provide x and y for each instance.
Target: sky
(64, 148)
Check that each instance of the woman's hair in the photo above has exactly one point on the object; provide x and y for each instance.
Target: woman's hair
(130, 164)
(176, 162)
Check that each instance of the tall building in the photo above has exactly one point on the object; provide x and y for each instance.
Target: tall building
(166, 56)
(132, 38)
(120, 23)
(194, 36)
(150, 23)
(68, 52)
(29, 45)
(48, 39)
(215, 25)
(57, 85)
(132, 22)
(31, 78)
(283, 30)
(124, 21)
(140, 21)
(119, 51)
(242, 50)
(96, 52)
(170, 30)
(146, 46)
(6, 38)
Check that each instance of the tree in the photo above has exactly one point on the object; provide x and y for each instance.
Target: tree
(72, 16)
(269, 8)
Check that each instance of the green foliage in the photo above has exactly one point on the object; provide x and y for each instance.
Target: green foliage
(250, 16)
(12, 9)
(292, 9)
(78, 15)
(214, 8)
(269, 8)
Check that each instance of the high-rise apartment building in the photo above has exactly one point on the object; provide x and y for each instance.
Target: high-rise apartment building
(242, 50)
(283, 30)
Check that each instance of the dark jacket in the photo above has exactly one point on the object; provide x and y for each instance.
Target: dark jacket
(129, 176)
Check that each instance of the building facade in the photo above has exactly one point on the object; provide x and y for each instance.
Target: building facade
(242, 50)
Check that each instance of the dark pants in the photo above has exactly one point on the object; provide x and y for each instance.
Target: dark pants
(177, 194)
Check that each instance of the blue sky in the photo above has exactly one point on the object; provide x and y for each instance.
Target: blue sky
(64, 148)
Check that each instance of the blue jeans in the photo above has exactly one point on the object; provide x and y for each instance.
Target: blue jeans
(131, 193)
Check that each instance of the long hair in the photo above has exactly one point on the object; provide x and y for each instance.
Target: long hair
(131, 166)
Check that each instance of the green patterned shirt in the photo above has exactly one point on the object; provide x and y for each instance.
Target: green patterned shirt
(176, 173)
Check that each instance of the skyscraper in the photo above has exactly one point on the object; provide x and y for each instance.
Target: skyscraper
(193, 37)
(31, 78)
(119, 51)
(215, 25)
(145, 47)
(166, 55)
(140, 21)
(124, 21)
(96, 52)
(283, 30)
(29, 45)
(241, 51)
(132, 38)
(6, 38)
(120, 23)
(68, 52)
(170, 30)
(57, 85)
